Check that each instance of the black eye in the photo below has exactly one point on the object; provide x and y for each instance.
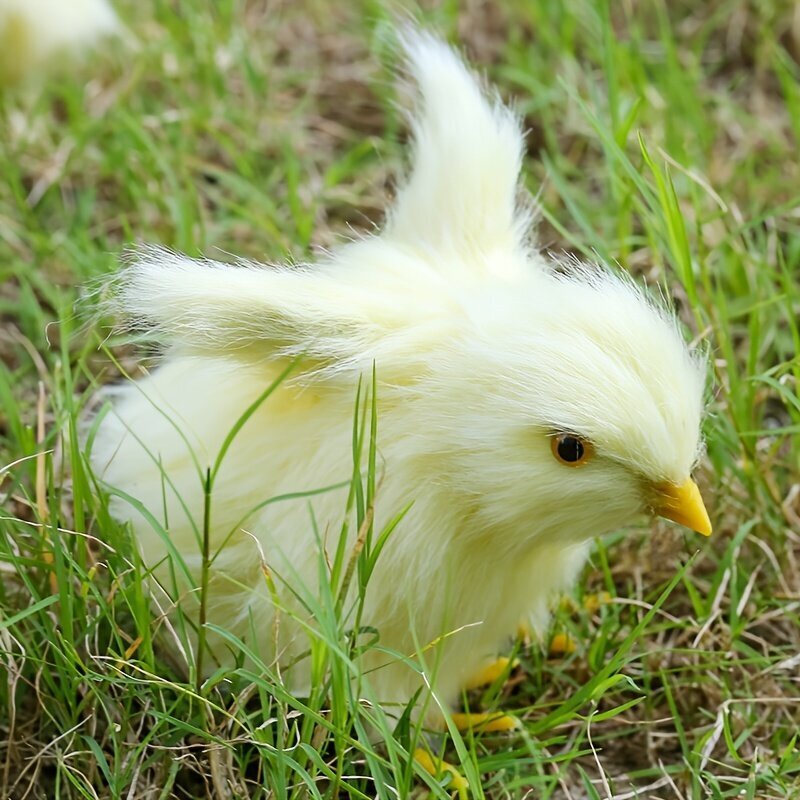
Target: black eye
(570, 449)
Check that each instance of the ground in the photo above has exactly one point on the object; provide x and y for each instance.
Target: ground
(662, 136)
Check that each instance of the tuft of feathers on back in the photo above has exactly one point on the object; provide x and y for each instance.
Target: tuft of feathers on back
(496, 367)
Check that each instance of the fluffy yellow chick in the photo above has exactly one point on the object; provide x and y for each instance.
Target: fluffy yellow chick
(524, 407)
(35, 33)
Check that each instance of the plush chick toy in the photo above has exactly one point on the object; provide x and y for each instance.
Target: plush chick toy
(524, 404)
(36, 33)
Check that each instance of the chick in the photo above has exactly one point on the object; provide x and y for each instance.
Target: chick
(525, 406)
(36, 33)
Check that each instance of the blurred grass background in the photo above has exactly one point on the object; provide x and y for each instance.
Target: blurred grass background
(662, 135)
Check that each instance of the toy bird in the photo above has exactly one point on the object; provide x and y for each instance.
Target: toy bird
(36, 33)
(525, 405)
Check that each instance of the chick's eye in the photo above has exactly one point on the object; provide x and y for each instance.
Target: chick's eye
(570, 449)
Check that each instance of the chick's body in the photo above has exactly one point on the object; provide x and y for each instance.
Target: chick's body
(438, 572)
(483, 353)
(35, 33)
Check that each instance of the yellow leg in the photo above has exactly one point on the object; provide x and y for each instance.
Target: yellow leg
(490, 673)
(486, 722)
(562, 644)
(592, 602)
(424, 759)
(525, 632)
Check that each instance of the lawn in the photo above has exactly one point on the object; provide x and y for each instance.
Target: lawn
(663, 136)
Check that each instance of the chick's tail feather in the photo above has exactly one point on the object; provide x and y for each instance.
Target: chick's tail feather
(462, 196)
(457, 219)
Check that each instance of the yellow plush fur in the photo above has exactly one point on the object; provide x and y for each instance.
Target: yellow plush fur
(484, 349)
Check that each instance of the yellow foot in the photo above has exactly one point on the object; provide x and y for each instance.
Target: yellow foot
(592, 602)
(486, 722)
(490, 673)
(561, 645)
(457, 780)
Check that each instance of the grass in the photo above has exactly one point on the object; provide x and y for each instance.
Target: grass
(663, 136)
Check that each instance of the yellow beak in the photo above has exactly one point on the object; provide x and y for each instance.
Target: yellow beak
(682, 504)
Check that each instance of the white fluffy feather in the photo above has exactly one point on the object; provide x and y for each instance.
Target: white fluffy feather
(482, 351)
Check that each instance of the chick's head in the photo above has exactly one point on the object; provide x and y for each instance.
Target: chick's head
(588, 413)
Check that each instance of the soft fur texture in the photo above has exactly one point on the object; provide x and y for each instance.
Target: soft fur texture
(35, 33)
(484, 348)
